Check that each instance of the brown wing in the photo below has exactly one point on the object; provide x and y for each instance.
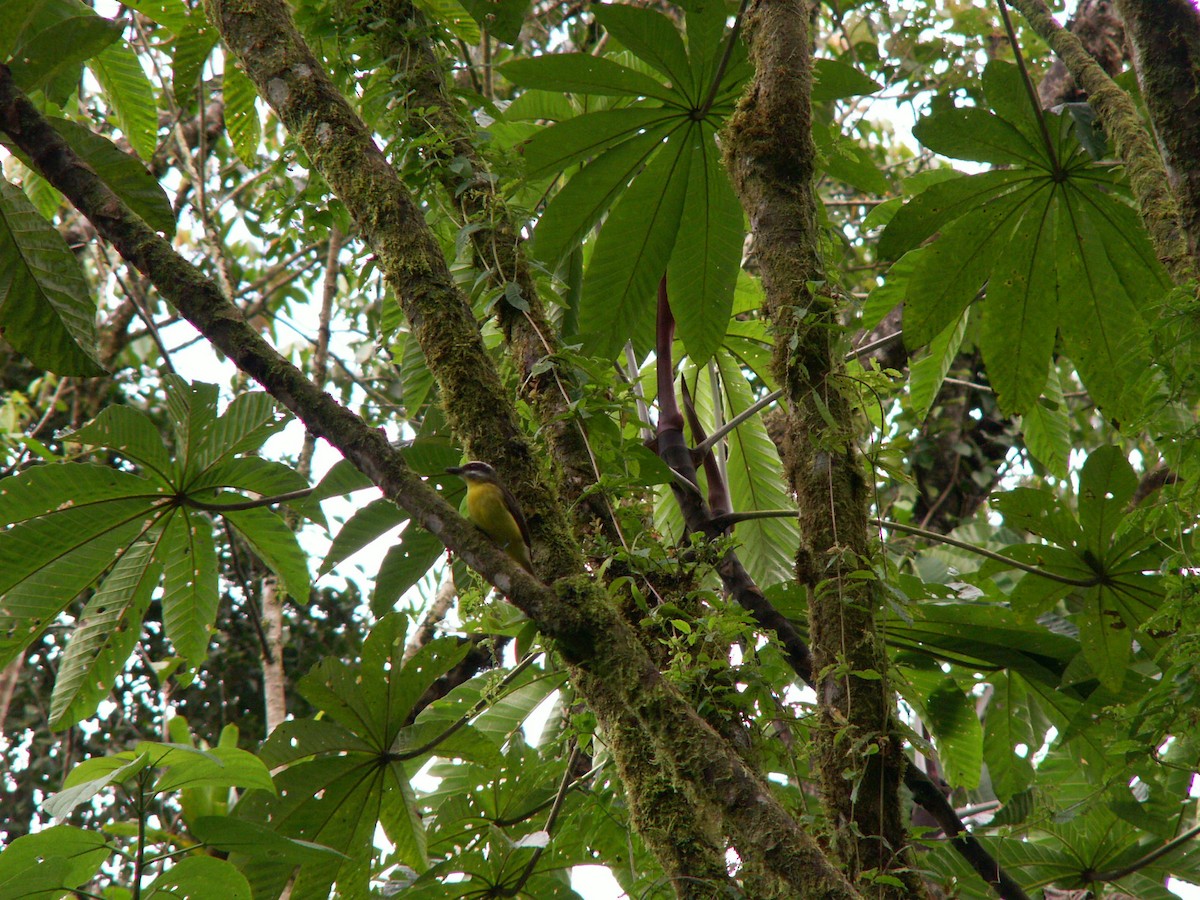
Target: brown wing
(515, 508)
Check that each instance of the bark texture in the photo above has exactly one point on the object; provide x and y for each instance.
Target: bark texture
(1165, 36)
(606, 659)
(771, 159)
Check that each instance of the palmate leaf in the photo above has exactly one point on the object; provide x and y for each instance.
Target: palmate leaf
(1061, 254)
(343, 775)
(672, 190)
(632, 253)
(1101, 547)
(71, 527)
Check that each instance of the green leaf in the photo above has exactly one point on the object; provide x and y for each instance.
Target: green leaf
(502, 18)
(834, 80)
(200, 876)
(552, 149)
(22, 19)
(334, 801)
(705, 25)
(222, 767)
(83, 852)
(708, 251)
(239, 836)
(454, 17)
(1004, 87)
(984, 635)
(943, 202)
(190, 589)
(843, 159)
(950, 716)
(588, 195)
(46, 562)
(403, 566)
(582, 73)
(1038, 511)
(41, 879)
(276, 545)
(1105, 639)
(131, 97)
(506, 712)
(1020, 318)
(92, 776)
(953, 268)
(368, 523)
(652, 37)
(131, 434)
(1106, 484)
(1047, 428)
(193, 45)
(50, 61)
(1006, 728)
(105, 634)
(252, 474)
(768, 546)
(1102, 330)
(56, 489)
(885, 297)
(176, 16)
(241, 114)
(249, 419)
(975, 134)
(928, 372)
(632, 253)
(46, 310)
(125, 174)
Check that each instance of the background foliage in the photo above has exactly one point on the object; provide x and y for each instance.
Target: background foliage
(172, 553)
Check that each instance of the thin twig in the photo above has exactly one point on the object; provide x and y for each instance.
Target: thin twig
(989, 554)
(703, 447)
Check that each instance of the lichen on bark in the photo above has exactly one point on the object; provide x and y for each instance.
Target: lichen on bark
(771, 158)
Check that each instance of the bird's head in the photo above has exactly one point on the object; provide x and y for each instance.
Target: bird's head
(475, 472)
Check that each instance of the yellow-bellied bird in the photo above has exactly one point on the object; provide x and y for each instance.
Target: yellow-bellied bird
(495, 510)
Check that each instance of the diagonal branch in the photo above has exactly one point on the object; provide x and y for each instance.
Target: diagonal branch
(606, 658)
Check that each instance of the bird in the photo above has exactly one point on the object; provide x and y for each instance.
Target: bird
(493, 508)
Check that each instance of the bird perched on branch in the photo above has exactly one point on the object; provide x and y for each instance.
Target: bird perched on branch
(495, 510)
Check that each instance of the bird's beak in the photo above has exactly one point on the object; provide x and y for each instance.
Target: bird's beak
(454, 470)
